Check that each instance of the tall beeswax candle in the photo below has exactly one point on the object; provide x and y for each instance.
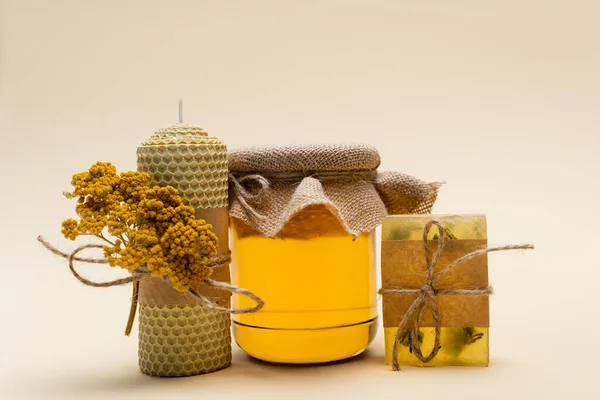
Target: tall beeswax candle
(179, 336)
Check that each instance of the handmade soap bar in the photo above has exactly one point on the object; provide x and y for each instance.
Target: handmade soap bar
(463, 315)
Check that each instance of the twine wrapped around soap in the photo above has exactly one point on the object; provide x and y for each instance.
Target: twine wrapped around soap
(142, 273)
(427, 294)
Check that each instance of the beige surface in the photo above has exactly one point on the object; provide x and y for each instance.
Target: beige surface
(501, 101)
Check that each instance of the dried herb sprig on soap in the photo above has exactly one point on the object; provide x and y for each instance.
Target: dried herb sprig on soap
(447, 235)
(470, 336)
(405, 339)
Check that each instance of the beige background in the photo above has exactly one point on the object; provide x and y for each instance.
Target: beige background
(498, 98)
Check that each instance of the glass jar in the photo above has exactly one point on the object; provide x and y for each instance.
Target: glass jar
(318, 285)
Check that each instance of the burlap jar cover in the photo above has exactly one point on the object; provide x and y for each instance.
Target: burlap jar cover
(270, 184)
(178, 336)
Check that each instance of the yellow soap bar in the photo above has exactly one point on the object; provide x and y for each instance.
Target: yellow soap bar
(462, 344)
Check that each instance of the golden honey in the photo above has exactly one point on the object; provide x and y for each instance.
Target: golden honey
(318, 285)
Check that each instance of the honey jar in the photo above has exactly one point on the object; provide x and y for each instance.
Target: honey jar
(303, 222)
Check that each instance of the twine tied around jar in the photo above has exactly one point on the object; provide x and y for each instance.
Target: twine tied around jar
(269, 184)
(427, 294)
(244, 196)
(142, 273)
(264, 180)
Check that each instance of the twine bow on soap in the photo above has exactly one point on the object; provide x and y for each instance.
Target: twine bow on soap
(143, 273)
(428, 293)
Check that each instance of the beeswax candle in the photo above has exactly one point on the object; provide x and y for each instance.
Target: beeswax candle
(179, 336)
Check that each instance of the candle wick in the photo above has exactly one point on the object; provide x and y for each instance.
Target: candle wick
(180, 111)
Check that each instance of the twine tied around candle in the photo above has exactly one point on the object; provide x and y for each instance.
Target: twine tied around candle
(427, 294)
(142, 273)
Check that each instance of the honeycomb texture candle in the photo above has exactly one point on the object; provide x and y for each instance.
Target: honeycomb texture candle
(178, 336)
(464, 319)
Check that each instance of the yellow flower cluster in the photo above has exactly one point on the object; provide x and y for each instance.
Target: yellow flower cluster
(143, 226)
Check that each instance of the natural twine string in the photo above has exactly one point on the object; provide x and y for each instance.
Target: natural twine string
(264, 180)
(143, 273)
(427, 294)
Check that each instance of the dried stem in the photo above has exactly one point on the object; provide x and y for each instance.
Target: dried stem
(133, 308)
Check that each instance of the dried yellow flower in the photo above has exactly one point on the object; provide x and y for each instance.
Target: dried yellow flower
(142, 225)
